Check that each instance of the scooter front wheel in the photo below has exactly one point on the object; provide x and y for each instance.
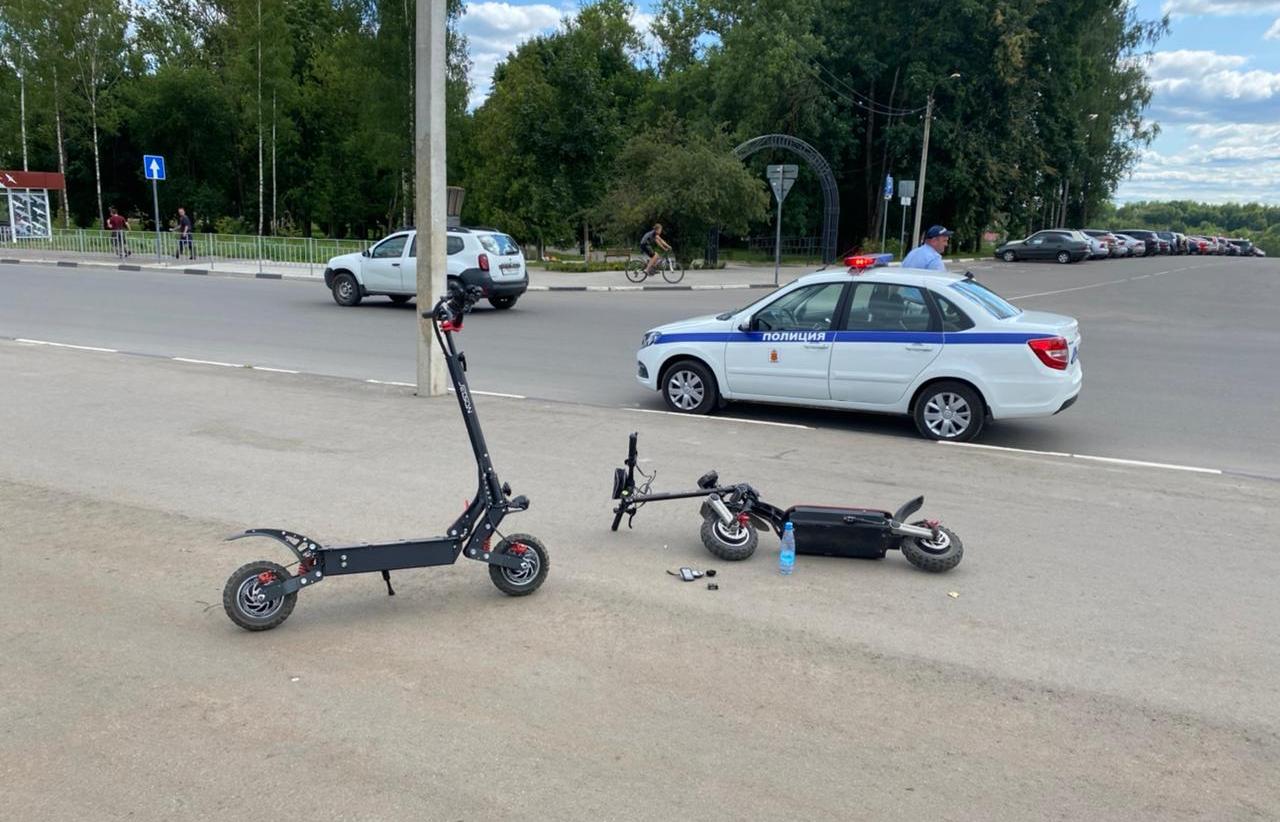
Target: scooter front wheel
(932, 555)
(729, 542)
(245, 603)
(522, 581)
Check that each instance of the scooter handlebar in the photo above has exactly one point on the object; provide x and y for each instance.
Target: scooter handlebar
(454, 304)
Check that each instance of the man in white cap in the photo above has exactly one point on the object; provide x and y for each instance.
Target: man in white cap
(928, 255)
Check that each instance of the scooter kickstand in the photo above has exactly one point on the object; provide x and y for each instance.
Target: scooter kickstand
(386, 577)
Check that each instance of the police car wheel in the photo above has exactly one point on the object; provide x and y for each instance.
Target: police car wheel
(689, 387)
(949, 411)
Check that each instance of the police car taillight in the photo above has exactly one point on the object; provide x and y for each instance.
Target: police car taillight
(1052, 351)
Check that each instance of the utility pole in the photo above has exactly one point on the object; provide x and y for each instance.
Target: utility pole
(924, 158)
(429, 181)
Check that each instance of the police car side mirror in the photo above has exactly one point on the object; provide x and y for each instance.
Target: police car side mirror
(745, 325)
(364, 253)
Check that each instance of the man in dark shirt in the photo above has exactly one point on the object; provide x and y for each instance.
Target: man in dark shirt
(117, 224)
(649, 245)
(184, 235)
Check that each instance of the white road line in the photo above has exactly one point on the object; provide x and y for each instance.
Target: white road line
(1109, 460)
(1005, 448)
(722, 419)
(208, 362)
(392, 382)
(274, 370)
(69, 345)
(1077, 288)
(491, 394)
(1142, 464)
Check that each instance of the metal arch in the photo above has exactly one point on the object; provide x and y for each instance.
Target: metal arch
(830, 194)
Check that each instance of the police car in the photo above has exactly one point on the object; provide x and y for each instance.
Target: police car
(940, 347)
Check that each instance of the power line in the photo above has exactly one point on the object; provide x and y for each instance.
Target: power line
(862, 100)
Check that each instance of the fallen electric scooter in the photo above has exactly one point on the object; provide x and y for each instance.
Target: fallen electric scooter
(732, 515)
(261, 595)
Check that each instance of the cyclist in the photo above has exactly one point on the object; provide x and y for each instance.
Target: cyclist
(652, 238)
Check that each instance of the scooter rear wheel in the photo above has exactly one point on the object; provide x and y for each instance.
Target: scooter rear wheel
(729, 543)
(934, 556)
(520, 582)
(245, 604)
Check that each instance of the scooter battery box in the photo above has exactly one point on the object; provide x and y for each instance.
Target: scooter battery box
(841, 532)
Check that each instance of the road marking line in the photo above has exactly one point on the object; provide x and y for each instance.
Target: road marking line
(1004, 448)
(491, 394)
(209, 362)
(1111, 460)
(1143, 464)
(69, 345)
(274, 370)
(1077, 288)
(723, 419)
(392, 382)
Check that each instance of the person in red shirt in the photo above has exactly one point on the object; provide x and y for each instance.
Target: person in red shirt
(117, 224)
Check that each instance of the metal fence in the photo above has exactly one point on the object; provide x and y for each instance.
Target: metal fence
(211, 248)
(809, 247)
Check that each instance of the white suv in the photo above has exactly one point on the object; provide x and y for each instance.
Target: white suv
(479, 257)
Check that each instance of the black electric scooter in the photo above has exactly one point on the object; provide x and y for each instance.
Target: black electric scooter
(261, 595)
(731, 515)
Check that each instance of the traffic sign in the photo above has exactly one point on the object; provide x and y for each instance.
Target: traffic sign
(906, 201)
(153, 166)
(781, 178)
(907, 188)
(888, 186)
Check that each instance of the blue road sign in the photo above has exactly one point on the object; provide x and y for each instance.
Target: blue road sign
(153, 166)
(888, 186)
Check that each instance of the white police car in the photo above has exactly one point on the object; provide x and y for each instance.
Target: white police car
(940, 347)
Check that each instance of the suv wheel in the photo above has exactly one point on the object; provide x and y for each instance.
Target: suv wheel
(346, 291)
(502, 303)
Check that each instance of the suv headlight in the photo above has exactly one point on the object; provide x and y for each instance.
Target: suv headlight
(650, 338)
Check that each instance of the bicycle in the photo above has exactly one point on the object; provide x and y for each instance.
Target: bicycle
(671, 268)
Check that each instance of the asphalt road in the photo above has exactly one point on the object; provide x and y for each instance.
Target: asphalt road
(1179, 353)
(1105, 651)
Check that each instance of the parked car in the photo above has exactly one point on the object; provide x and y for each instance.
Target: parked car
(485, 258)
(1098, 249)
(1245, 246)
(1180, 243)
(1109, 239)
(1197, 245)
(1149, 239)
(1258, 252)
(1168, 243)
(940, 347)
(1062, 245)
(1132, 246)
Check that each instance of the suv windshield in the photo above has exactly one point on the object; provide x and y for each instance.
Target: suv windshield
(996, 306)
(499, 244)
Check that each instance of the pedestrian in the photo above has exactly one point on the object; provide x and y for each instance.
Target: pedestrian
(118, 224)
(184, 235)
(928, 255)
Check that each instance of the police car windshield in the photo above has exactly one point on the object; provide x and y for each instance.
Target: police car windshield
(726, 315)
(996, 306)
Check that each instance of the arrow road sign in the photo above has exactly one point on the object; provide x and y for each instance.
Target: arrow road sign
(781, 179)
(153, 166)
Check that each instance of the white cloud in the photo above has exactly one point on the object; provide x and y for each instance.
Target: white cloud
(1222, 8)
(1206, 86)
(1273, 33)
(1224, 162)
(494, 30)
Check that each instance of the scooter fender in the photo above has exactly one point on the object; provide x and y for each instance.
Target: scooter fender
(303, 547)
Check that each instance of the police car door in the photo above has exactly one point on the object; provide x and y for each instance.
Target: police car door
(889, 336)
(784, 350)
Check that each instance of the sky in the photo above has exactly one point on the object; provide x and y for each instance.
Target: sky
(1215, 76)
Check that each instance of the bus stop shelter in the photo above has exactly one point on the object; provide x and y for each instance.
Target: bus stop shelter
(24, 204)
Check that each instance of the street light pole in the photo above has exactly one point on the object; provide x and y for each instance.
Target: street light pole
(429, 184)
(924, 160)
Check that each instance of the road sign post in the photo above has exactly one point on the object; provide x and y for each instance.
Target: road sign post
(153, 170)
(906, 190)
(781, 178)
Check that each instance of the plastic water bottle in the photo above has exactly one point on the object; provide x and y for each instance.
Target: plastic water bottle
(787, 556)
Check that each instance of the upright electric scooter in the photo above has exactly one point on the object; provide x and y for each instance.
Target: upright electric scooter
(261, 595)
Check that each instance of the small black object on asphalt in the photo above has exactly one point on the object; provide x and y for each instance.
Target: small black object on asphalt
(711, 586)
(711, 572)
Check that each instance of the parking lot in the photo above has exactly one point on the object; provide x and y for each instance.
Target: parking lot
(1103, 651)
